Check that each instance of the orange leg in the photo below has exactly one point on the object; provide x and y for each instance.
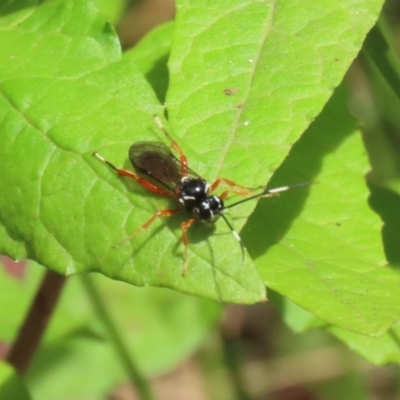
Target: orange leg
(182, 157)
(175, 146)
(161, 213)
(234, 188)
(184, 227)
(142, 181)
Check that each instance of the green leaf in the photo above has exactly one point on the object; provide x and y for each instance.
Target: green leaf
(381, 350)
(151, 56)
(15, 296)
(165, 327)
(160, 317)
(77, 97)
(281, 72)
(160, 328)
(331, 261)
(11, 386)
(55, 368)
(298, 319)
(112, 9)
(378, 50)
(283, 59)
(67, 211)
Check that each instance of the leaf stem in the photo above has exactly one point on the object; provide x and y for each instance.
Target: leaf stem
(33, 328)
(137, 379)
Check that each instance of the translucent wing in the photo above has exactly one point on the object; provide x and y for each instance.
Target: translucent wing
(155, 160)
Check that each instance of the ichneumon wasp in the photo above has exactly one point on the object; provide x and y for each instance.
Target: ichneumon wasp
(161, 172)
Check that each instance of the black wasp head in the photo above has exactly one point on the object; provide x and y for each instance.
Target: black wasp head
(209, 209)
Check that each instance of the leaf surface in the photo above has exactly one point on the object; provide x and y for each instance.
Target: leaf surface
(246, 78)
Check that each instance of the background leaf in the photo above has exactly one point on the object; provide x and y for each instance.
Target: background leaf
(151, 55)
(331, 260)
(382, 350)
(160, 328)
(11, 386)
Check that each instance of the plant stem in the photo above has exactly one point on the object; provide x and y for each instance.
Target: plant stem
(32, 330)
(137, 380)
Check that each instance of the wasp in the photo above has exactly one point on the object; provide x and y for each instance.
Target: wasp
(162, 172)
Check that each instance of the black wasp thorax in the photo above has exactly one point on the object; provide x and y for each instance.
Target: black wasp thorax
(195, 199)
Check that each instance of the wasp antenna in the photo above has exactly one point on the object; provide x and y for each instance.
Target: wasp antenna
(158, 121)
(235, 234)
(271, 192)
(97, 155)
(160, 124)
(102, 159)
